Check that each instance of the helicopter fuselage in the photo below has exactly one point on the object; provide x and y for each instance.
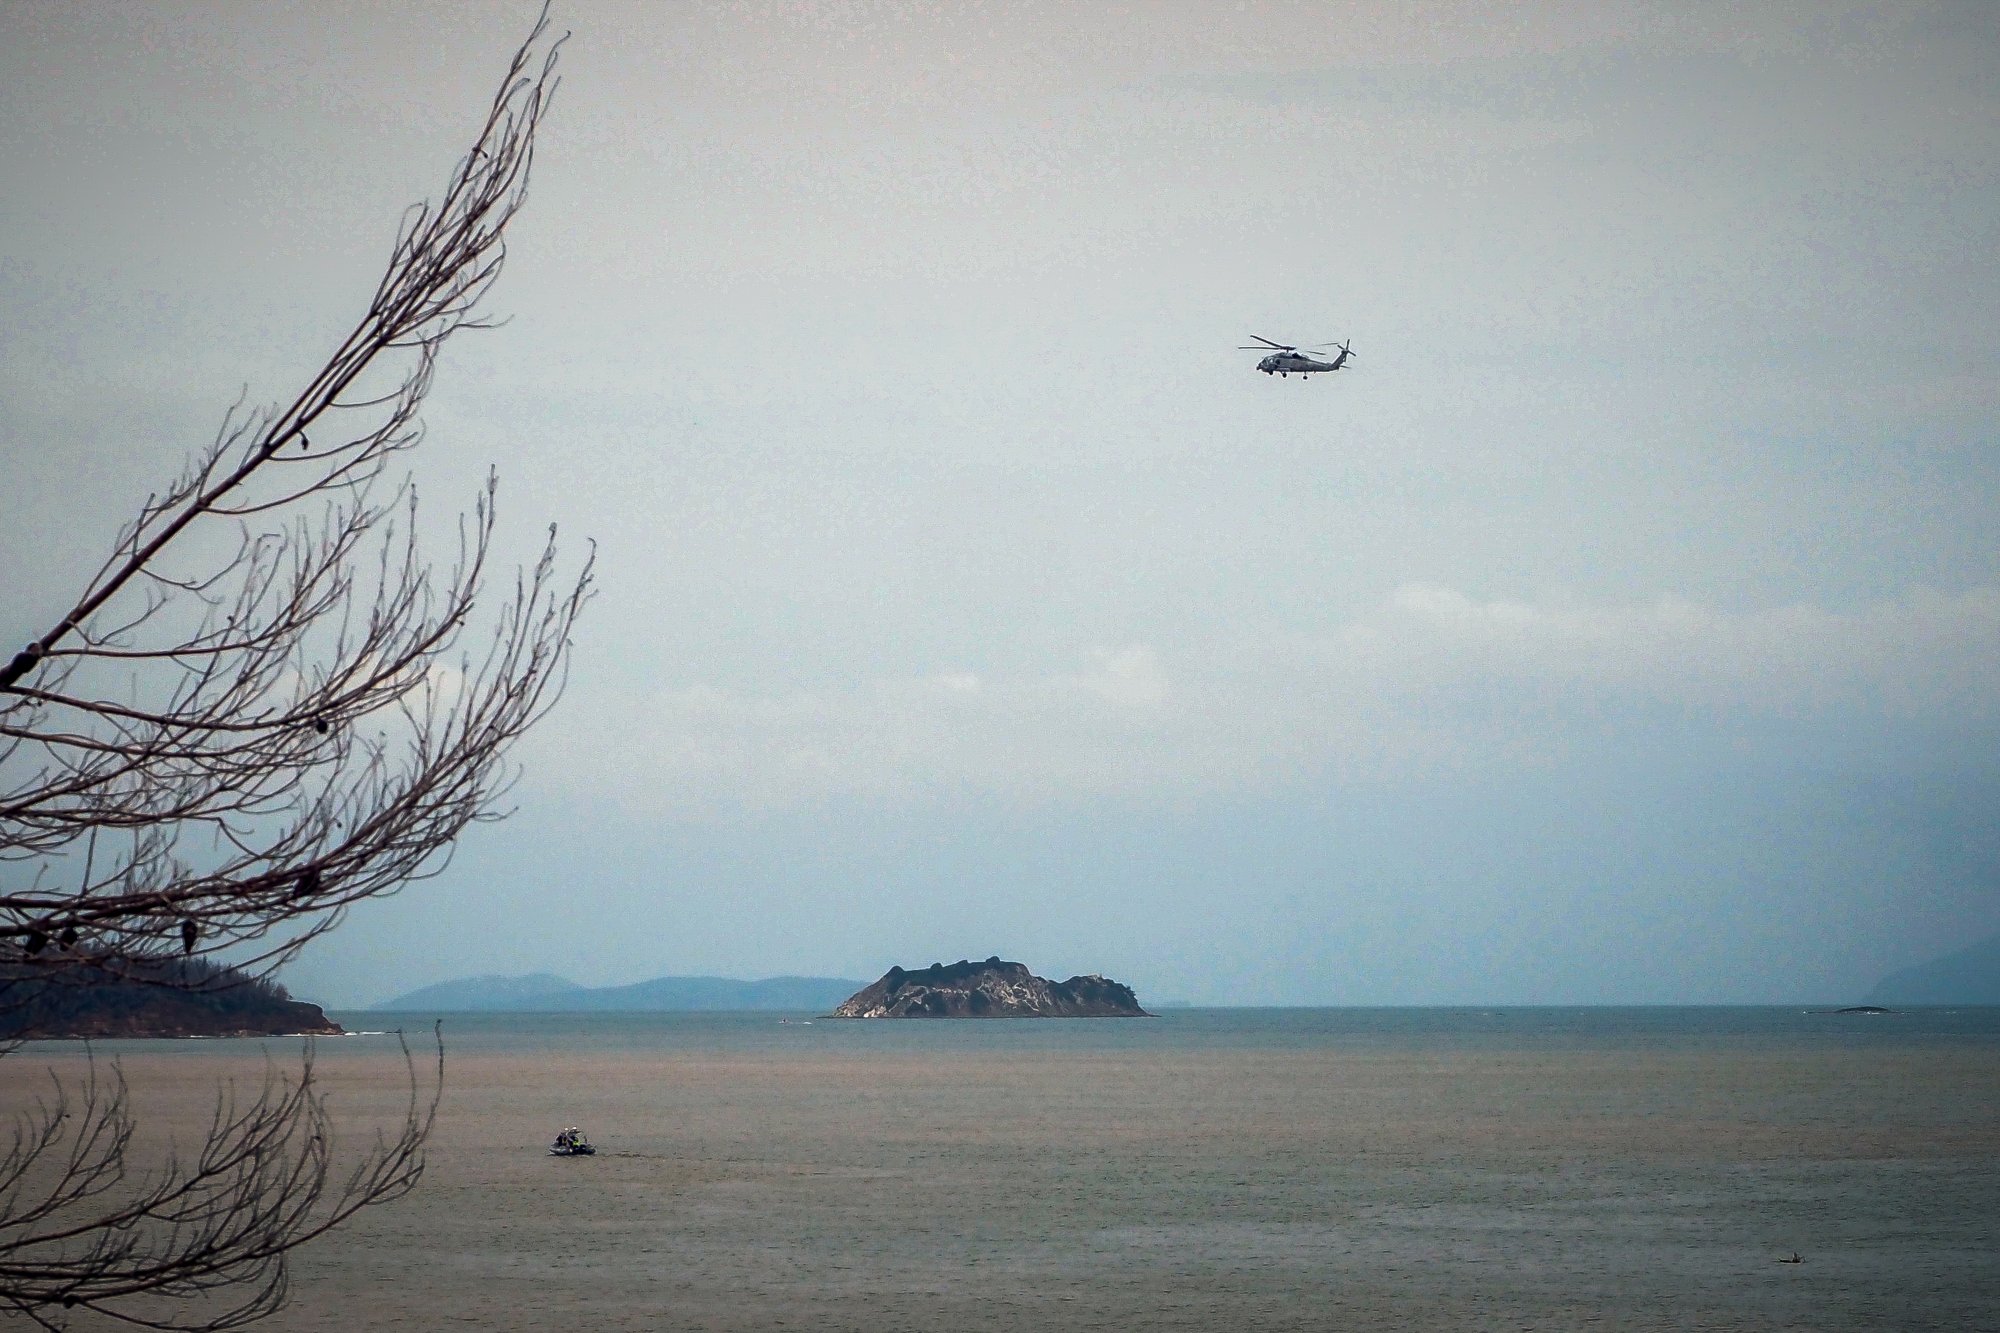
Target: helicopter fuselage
(1295, 363)
(1289, 363)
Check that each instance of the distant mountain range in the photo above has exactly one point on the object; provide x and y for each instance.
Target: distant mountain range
(1970, 976)
(542, 992)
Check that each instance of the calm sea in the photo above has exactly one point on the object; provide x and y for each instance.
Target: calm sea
(1648, 1028)
(1209, 1169)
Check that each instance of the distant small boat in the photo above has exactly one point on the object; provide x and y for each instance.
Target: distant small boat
(571, 1143)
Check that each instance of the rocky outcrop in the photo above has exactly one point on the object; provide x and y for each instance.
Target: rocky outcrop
(992, 989)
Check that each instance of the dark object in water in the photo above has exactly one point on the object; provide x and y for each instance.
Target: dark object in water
(1795, 1259)
(571, 1143)
(1864, 1009)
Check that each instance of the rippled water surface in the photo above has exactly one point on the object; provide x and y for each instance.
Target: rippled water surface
(1225, 1169)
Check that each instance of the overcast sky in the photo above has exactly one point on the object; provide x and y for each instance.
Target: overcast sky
(1624, 626)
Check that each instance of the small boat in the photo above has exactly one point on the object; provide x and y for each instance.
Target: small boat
(571, 1143)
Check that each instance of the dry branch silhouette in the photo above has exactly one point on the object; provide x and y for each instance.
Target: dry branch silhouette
(217, 754)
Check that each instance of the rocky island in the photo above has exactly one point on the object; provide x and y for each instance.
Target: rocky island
(152, 998)
(992, 989)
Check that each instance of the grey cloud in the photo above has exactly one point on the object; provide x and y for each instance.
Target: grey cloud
(888, 353)
(1430, 681)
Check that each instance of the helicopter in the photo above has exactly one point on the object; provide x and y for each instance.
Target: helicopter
(1284, 358)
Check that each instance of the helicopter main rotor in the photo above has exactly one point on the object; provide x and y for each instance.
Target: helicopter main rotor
(1264, 344)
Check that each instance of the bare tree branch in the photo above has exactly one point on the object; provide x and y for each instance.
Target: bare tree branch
(197, 1243)
(268, 703)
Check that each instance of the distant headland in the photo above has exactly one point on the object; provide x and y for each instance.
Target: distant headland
(1969, 976)
(153, 998)
(544, 993)
(992, 989)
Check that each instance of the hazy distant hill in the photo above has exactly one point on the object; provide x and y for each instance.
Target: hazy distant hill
(1970, 976)
(537, 991)
(543, 993)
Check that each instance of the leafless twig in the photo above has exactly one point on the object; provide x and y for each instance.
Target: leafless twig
(267, 704)
(197, 1243)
